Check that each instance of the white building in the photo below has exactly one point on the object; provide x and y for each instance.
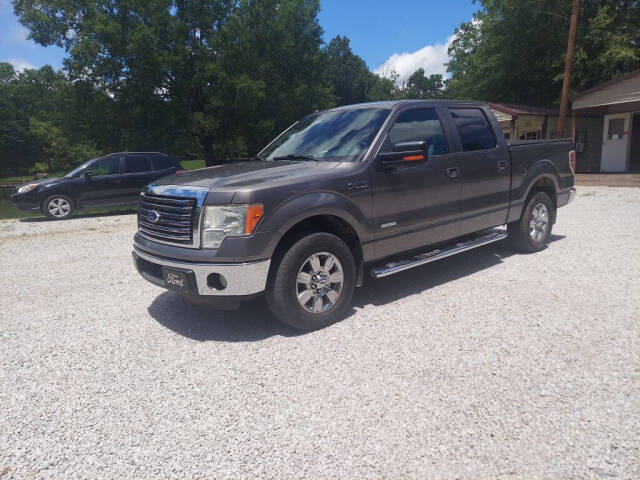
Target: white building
(607, 126)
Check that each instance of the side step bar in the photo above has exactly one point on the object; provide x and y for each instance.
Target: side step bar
(484, 238)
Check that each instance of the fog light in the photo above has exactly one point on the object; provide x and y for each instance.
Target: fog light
(216, 281)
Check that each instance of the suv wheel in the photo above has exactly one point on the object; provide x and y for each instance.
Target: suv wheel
(312, 285)
(532, 232)
(58, 207)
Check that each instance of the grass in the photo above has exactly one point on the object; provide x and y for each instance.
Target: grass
(26, 178)
(187, 164)
(192, 164)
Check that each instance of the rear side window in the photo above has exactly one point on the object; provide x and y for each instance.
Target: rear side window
(422, 124)
(474, 129)
(105, 166)
(137, 164)
(164, 163)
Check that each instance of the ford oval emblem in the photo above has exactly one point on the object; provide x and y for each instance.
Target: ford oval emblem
(153, 216)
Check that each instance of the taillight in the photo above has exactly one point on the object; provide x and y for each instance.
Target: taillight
(180, 171)
(572, 161)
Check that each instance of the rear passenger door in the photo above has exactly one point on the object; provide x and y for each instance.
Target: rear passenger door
(485, 168)
(137, 172)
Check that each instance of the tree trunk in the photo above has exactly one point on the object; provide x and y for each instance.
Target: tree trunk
(210, 157)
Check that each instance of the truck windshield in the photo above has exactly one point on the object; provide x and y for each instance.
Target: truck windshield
(334, 136)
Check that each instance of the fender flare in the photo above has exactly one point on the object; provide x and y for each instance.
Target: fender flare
(543, 169)
(295, 210)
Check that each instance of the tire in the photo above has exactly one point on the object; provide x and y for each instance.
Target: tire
(301, 274)
(58, 207)
(532, 231)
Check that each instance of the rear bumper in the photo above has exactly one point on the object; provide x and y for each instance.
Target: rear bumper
(240, 279)
(566, 197)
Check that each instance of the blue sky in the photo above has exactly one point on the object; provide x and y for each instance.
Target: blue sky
(401, 35)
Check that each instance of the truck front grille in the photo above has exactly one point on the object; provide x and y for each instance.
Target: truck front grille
(167, 219)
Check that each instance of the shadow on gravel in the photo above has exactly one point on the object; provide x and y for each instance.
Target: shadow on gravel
(392, 288)
(79, 216)
(252, 322)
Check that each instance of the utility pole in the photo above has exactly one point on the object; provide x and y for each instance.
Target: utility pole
(566, 82)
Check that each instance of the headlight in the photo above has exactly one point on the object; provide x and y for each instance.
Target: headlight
(27, 188)
(222, 221)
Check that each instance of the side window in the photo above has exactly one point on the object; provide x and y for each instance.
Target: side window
(105, 166)
(474, 129)
(137, 164)
(422, 124)
(163, 163)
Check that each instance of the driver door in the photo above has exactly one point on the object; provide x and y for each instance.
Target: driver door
(102, 185)
(416, 203)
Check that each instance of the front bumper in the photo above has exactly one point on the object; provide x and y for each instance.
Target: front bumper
(25, 202)
(241, 279)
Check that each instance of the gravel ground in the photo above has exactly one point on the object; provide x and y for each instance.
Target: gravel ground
(491, 364)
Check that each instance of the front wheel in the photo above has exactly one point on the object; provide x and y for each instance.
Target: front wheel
(58, 207)
(312, 285)
(533, 230)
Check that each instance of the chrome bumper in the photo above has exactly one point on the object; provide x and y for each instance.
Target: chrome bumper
(241, 278)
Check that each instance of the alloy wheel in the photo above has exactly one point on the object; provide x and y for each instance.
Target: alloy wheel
(319, 282)
(539, 222)
(59, 207)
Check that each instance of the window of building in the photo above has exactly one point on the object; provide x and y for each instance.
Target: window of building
(616, 128)
(531, 135)
(422, 124)
(474, 128)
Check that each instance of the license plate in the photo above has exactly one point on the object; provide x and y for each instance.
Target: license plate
(175, 279)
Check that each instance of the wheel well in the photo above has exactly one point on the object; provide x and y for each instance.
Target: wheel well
(547, 186)
(322, 223)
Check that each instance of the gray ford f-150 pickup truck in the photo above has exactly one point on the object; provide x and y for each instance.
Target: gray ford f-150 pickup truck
(374, 189)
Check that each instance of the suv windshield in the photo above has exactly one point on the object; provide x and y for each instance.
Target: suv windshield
(335, 136)
(78, 169)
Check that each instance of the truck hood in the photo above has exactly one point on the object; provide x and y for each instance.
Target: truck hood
(241, 175)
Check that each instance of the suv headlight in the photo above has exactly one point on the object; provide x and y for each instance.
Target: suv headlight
(222, 221)
(27, 188)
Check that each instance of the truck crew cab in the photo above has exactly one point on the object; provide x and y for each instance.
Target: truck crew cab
(373, 188)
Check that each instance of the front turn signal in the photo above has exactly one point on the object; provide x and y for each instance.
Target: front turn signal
(254, 214)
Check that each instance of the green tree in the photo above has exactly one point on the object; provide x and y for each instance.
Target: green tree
(514, 51)
(418, 85)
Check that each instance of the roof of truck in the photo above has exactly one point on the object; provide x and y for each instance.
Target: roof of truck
(393, 103)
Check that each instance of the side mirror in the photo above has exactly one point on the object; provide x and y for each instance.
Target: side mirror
(405, 153)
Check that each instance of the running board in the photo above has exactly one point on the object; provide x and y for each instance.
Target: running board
(484, 238)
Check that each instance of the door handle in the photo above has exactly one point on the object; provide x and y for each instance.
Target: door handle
(503, 166)
(453, 172)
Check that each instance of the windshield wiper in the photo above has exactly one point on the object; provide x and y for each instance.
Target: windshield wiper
(295, 156)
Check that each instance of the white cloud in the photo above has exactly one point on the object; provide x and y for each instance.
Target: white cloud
(430, 57)
(19, 64)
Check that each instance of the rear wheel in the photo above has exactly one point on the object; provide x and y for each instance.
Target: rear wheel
(533, 230)
(58, 207)
(312, 285)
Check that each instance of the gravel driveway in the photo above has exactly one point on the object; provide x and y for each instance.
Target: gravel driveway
(490, 364)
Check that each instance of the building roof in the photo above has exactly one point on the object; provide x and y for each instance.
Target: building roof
(618, 79)
(516, 110)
